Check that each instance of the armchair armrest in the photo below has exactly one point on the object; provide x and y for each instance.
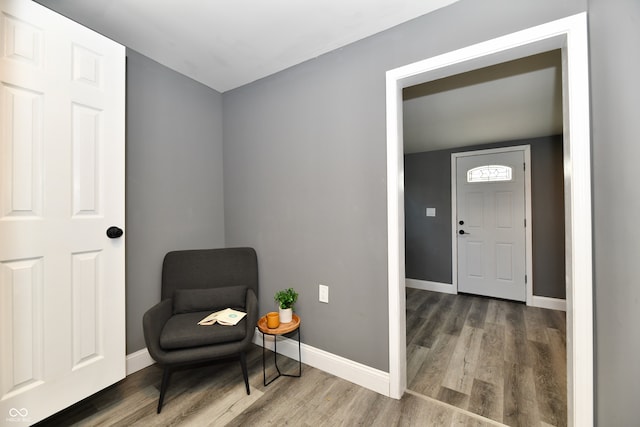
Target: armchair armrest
(152, 323)
(252, 312)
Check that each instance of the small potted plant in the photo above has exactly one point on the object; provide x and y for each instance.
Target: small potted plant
(285, 299)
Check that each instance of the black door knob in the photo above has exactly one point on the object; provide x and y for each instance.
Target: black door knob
(461, 222)
(114, 232)
(461, 231)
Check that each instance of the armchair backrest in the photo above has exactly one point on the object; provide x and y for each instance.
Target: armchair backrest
(209, 268)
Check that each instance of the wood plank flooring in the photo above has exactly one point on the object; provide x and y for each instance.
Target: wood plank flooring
(471, 362)
(498, 359)
(215, 396)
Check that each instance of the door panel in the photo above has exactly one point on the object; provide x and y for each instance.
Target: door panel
(22, 111)
(61, 186)
(474, 259)
(85, 146)
(475, 210)
(504, 261)
(504, 209)
(490, 204)
(22, 324)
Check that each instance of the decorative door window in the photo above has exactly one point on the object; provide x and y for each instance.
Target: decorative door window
(489, 173)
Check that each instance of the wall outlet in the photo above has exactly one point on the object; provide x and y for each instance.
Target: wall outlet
(323, 293)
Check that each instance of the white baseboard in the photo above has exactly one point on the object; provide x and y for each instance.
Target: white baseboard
(536, 301)
(138, 360)
(425, 285)
(550, 303)
(357, 373)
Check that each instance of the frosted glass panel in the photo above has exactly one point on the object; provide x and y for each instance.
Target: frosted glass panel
(489, 173)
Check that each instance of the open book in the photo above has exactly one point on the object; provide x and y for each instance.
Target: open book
(227, 317)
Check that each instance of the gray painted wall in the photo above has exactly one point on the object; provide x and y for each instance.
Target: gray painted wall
(174, 178)
(305, 169)
(427, 183)
(314, 130)
(428, 239)
(615, 59)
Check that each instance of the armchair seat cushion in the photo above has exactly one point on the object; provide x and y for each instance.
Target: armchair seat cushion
(182, 331)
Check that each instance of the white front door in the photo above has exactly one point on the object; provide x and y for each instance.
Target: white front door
(62, 313)
(490, 224)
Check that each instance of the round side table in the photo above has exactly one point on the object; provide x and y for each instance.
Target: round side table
(283, 329)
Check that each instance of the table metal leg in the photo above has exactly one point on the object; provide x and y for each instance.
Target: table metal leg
(275, 361)
(264, 369)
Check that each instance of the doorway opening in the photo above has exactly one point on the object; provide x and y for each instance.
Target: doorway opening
(569, 35)
(495, 358)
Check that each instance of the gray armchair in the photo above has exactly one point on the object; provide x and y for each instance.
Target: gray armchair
(194, 284)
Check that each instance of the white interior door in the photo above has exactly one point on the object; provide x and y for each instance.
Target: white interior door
(490, 219)
(62, 313)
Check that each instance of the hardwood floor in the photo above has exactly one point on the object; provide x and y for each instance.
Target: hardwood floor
(471, 362)
(499, 359)
(215, 396)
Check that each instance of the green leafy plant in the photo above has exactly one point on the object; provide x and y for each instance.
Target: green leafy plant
(286, 298)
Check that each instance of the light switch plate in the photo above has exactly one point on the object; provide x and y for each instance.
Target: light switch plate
(431, 211)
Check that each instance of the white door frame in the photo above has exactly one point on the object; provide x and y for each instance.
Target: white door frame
(569, 34)
(526, 149)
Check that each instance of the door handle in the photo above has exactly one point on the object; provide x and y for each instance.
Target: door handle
(114, 232)
(461, 232)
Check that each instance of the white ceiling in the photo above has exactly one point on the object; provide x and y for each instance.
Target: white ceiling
(514, 100)
(225, 44)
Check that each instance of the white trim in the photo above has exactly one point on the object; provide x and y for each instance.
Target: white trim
(447, 288)
(454, 210)
(357, 373)
(425, 285)
(579, 268)
(550, 303)
(395, 239)
(529, 228)
(138, 360)
(569, 34)
(528, 250)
